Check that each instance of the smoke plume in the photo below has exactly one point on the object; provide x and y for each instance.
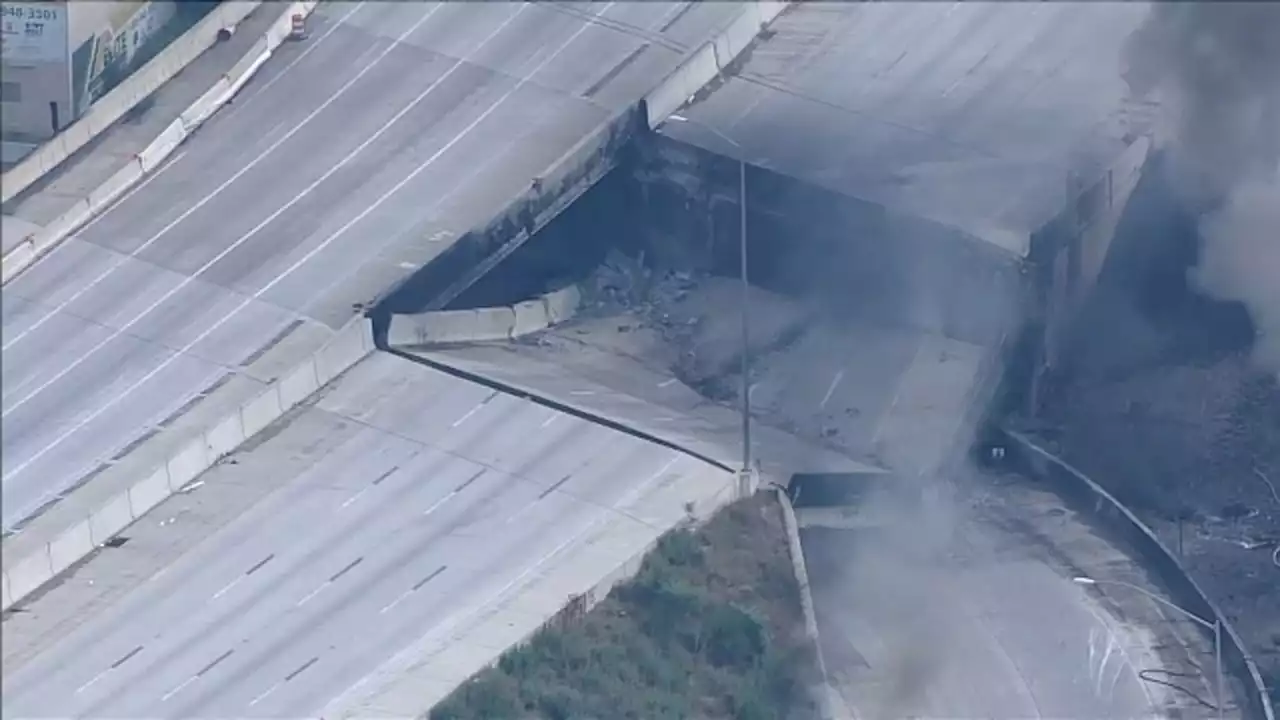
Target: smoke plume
(1214, 68)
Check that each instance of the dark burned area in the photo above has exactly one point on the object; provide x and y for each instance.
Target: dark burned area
(1161, 404)
(1158, 400)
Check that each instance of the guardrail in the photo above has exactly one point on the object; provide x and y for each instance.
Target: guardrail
(1088, 496)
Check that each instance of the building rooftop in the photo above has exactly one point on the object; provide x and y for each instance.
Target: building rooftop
(969, 113)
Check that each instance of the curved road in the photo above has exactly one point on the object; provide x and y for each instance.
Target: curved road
(350, 160)
(963, 610)
(428, 495)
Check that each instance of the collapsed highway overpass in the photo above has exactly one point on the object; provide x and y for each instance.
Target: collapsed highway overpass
(937, 166)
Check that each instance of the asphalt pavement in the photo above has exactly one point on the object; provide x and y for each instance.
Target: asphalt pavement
(352, 159)
(421, 497)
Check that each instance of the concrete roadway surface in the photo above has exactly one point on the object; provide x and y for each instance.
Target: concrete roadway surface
(353, 158)
(401, 505)
(981, 580)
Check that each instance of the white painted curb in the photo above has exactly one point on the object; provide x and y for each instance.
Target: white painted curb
(509, 322)
(25, 575)
(133, 90)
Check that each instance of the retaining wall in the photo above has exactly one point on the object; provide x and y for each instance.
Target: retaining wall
(1088, 497)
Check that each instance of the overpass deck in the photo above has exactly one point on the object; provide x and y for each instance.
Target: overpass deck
(351, 160)
(968, 113)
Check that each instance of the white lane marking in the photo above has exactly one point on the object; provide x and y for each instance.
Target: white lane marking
(11, 341)
(582, 392)
(227, 588)
(897, 392)
(279, 278)
(95, 679)
(264, 695)
(168, 163)
(550, 419)
(355, 497)
(436, 505)
(311, 47)
(178, 689)
(835, 382)
(391, 605)
(313, 593)
(470, 412)
(416, 586)
(319, 248)
(457, 618)
(239, 173)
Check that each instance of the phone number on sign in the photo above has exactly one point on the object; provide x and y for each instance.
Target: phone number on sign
(28, 12)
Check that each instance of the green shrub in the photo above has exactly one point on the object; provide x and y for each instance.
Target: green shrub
(690, 636)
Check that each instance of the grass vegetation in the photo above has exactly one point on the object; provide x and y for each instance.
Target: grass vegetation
(709, 628)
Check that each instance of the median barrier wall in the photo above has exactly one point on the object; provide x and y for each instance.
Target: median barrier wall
(456, 327)
(530, 317)
(1087, 496)
(111, 519)
(562, 304)
(133, 90)
(25, 575)
(115, 186)
(710, 60)
(204, 105)
(154, 154)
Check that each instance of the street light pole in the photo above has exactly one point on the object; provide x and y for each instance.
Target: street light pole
(744, 474)
(746, 327)
(1215, 626)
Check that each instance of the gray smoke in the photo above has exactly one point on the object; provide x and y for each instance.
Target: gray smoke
(1214, 68)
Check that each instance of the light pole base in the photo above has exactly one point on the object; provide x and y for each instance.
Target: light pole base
(748, 483)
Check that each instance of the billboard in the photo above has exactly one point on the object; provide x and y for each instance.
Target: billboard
(116, 32)
(33, 33)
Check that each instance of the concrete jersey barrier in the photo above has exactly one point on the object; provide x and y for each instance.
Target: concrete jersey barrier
(24, 575)
(132, 91)
(453, 327)
(1091, 498)
(710, 60)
